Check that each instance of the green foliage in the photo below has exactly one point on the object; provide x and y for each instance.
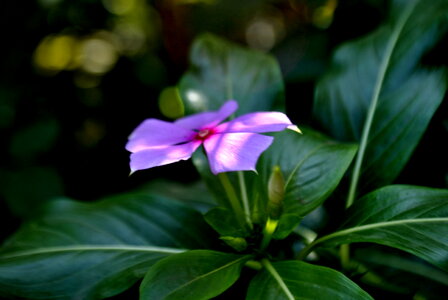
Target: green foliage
(298, 280)
(380, 77)
(91, 251)
(225, 223)
(312, 164)
(221, 71)
(193, 275)
(413, 219)
(377, 94)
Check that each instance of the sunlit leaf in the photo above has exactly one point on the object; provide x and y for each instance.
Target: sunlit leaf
(91, 251)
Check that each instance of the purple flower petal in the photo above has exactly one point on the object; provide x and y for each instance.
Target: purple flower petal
(160, 156)
(208, 119)
(156, 133)
(256, 122)
(235, 151)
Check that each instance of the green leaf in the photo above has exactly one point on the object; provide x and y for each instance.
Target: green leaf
(195, 275)
(221, 70)
(195, 194)
(291, 280)
(383, 261)
(410, 218)
(91, 251)
(312, 165)
(225, 222)
(377, 92)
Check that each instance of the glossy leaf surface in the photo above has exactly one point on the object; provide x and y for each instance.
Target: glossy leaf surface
(193, 275)
(91, 251)
(410, 218)
(378, 93)
(300, 280)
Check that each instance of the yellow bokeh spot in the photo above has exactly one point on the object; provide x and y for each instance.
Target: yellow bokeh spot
(323, 15)
(98, 53)
(56, 53)
(170, 103)
(119, 7)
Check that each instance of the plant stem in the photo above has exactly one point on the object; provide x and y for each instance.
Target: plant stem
(233, 199)
(306, 233)
(270, 268)
(245, 199)
(344, 252)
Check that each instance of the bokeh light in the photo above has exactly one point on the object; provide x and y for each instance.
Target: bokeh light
(170, 103)
(98, 53)
(56, 53)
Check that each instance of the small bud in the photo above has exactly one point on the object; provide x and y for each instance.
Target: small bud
(276, 193)
(237, 243)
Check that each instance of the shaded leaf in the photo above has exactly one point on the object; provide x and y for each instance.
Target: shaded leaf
(195, 275)
(410, 218)
(225, 222)
(380, 75)
(221, 70)
(91, 251)
(404, 265)
(300, 280)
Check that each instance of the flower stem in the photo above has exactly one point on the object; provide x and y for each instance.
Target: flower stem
(233, 199)
(344, 252)
(245, 199)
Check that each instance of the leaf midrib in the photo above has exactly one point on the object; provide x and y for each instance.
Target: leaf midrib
(76, 248)
(384, 65)
(207, 274)
(378, 225)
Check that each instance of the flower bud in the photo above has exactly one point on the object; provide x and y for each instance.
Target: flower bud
(276, 193)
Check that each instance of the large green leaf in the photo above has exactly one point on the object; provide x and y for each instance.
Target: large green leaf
(291, 280)
(413, 219)
(312, 166)
(193, 275)
(91, 251)
(377, 92)
(221, 70)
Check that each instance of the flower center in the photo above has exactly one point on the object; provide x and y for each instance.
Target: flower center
(204, 134)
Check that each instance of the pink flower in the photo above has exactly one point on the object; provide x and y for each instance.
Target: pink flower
(231, 146)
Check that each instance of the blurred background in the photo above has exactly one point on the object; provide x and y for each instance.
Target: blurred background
(76, 77)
